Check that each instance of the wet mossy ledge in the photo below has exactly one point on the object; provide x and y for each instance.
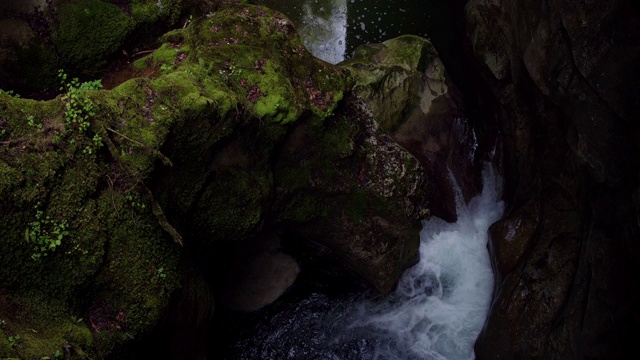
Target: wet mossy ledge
(111, 199)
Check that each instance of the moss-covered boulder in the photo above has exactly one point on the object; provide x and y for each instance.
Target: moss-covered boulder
(346, 184)
(409, 92)
(88, 31)
(110, 199)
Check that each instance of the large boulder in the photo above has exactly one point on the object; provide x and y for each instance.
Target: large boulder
(116, 205)
(409, 92)
(564, 75)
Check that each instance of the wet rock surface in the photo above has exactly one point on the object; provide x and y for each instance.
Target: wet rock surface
(562, 73)
(411, 95)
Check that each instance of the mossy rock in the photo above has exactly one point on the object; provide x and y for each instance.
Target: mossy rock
(89, 31)
(153, 11)
(93, 186)
(237, 129)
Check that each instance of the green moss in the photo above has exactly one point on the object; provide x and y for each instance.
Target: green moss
(412, 52)
(192, 132)
(89, 31)
(302, 208)
(150, 11)
(357, 206)
(166, 54)
(6, 351)
(144, 11)
(10, 178)
(232, 206)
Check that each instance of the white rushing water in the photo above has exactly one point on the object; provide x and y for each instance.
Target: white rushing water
(441, 303)
(324, 29)
(436, 312)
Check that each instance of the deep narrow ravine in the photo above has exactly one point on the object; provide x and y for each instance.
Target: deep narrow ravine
(440, 304)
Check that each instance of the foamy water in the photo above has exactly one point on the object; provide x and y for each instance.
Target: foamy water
(324, 29)
(441, 303)
(436, 312)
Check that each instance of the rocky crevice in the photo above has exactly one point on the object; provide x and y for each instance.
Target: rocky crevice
(573, 166)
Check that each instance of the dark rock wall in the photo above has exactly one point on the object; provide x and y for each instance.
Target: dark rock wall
(563, 75)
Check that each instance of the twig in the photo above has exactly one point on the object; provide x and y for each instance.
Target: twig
(143, 52)
(8, 142)
(162, 219)
(155, 207)
(165, 160)
(126, 137)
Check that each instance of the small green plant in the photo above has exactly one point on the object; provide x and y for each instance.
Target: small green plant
(234, 71)
(13, 340)
(45, 234)
(134, 202)
(97, 141)
(57, 354)
(161, 273)
(78, 107)
(97, 144)
(165, 68)
(31, 121)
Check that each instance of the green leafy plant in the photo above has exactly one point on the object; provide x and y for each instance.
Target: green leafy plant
(234, 71)
(161, 273)
(134, 202)
(31, 121)
(78, 107)
(13, 340)
(97, 144)
(45, 233)
(12, 93)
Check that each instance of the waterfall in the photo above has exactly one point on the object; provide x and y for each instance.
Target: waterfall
(332, 29)
(436, 312)
(324, 29)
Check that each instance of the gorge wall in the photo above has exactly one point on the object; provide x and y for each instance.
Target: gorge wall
(563, 78)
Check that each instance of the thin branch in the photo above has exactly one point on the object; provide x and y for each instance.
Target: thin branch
(165, 160)
(126, 137)
(143, 52)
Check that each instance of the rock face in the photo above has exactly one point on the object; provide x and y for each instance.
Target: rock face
(411, 95)
(565, 75)
(116, 205)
